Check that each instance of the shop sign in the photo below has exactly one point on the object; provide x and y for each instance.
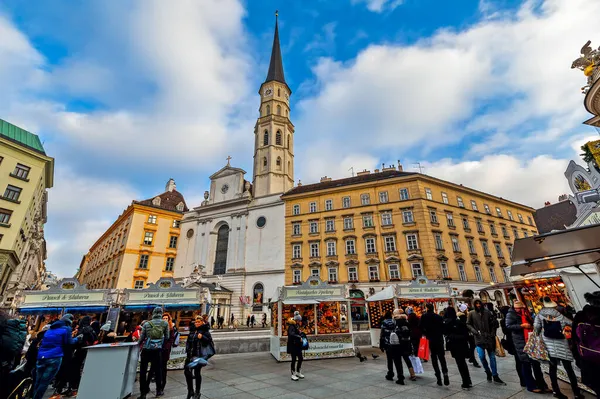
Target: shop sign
(322, 347)
(314, 288)
(48, 298)
(157, 295)
(427, 291)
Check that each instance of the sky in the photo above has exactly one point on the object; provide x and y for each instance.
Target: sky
(127, 94)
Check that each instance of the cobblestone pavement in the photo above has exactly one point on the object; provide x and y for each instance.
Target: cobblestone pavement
(258, 375)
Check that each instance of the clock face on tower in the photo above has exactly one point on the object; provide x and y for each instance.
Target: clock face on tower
(268, 92)
(224, 188)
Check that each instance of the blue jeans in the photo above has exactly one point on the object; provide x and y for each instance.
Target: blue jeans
(492, 355)
(46, 370)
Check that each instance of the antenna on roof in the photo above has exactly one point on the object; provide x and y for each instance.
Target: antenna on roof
(419, 166)
(352, 169)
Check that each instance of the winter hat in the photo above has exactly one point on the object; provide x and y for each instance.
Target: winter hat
(409, 310)
(518, 305)
(397, 313)
(593, 298)
(463, 307)
(67, 318)
(548, 302)
(85, 321)
(297, 317)
(106, 327)
(157, 313)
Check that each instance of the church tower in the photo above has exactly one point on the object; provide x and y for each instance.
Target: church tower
(274, 132)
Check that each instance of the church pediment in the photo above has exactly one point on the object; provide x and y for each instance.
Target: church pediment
(227, 171)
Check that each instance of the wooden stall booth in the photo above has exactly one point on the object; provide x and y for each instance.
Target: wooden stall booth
(422, 291)
(378, 305)
(325, 320)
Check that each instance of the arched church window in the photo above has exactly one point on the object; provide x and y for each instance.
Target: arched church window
(289, 142)
(289, 169)
(278, 138)
(279, 110)
(279, 92)
(266, 138)
(268, 109)
(264, 162)
(287, 113)
(278, 163)
(258, 297)
(221, 250)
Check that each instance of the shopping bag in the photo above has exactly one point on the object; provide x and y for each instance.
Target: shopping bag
(423, 349)
(499, 349)
(207, 351)
(416, 364)
(536, 349)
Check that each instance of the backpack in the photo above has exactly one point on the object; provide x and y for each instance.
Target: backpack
(155, 336)
(553, 329)
(394, 338)
(589, 342)
(13, 333)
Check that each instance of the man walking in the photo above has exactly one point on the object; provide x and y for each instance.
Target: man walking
(152, 339)
(483, 324)
(13, 333)
(432, 326)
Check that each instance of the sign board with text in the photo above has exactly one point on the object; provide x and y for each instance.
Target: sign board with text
(314, 288)
(423, 288)
(68, 292)
(321, 347)
(164, 291)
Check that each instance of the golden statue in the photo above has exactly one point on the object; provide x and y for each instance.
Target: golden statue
(587, 62)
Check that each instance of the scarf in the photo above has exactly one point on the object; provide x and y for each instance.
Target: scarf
(525, 320)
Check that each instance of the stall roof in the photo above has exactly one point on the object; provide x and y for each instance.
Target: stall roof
(573, 247)
(385, 294)
(300, 302)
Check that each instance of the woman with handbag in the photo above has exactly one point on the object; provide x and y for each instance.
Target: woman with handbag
(457, 342)
(550, 324)
(199, 345)
(294, 345)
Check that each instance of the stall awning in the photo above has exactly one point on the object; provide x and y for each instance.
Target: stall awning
(573, 247)
(385, 294)
(86, 309)
(40, 310)
(300, 302)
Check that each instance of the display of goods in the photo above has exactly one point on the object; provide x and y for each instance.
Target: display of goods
(308, 317)
(274, 318)
(377, 310)
(330, 319)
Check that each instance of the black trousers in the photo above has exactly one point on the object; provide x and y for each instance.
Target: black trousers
(164, 360)
(569, 369)
(297, 356)
(152, 356)
(76, 365)
(192, 375)
(463, 369)
(438, 355)
(472, 347)
(394, 358)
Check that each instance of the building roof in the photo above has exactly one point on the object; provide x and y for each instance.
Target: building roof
(349, 181)
(276, 65)
(21, 136)
(555, 217)
(168, 201)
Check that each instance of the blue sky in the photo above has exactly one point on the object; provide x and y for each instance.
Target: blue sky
(126, 94)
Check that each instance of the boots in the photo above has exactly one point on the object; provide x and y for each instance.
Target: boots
(190, 395)
(413, 377)
(294, 376)
(446, 380)
(439, 379)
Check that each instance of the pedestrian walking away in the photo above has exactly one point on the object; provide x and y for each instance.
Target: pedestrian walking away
(483, 324)
(166, 351)
(399, 345)
(415, 329)
(294, 346)
(152, 339)
(13, 333)
(252, 321)
(586, 330)
(433, 328)
(88, 338)
(457, 334)
(198, 345)
(464, 310)
(264, 320)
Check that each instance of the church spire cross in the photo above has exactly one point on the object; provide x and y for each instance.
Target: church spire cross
(276, 65)
(228, 159)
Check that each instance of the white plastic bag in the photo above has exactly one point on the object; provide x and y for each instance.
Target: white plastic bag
(417, 365)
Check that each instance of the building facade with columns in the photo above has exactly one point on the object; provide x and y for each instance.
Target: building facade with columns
(235, 238)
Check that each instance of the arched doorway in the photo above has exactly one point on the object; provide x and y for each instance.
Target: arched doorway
(221, 250)
(257, 297)
(358, 309)
(499, 298)
(485, 297)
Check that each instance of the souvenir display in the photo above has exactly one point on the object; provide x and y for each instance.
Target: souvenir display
(274, 318)
(377, 310)
(329, 319)
(308, 317)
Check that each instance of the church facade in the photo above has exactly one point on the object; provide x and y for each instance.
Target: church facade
(236, 237)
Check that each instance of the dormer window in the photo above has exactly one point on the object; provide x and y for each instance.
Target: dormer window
(156, 201)
(180, 207)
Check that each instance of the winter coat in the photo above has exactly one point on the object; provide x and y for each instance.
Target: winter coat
(388, 326)
(483, 324)
(156, 320)
(589, 314)
(457, 334)
(432, 325)
(415, 329)
(513, 327)
(294, 343)
(558, 348)
(405, 348)
(168, 344)
(193, 345)
(55, 341)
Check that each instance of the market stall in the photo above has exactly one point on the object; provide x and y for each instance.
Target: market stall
(325, 320)
(377, 305)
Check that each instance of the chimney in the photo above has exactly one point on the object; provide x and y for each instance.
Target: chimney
(376, 171)
(299, 182)
(399, 166)
(563, 197)
(170, 185)
(325, 178)
(547, 203)
(364, 172)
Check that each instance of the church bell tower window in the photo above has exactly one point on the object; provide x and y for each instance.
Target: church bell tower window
(278, 163)
(264, 162)
(268, 110)
(221, 252)
(278, 138)
(266, 138)
(279, 110)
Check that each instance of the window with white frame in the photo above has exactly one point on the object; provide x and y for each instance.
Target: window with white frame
(411, 242)
(297, 279)
(465, 222)
(367, 220)
(439, 241)
(474, 205)
(404, 194)
(505, 274)
(478, 274)
(510, 215)
(462, 274)
(331, 248)
(148, 237)
(455, 244)
(386, 219)
(471, 245)
(498, 250)
(296, 209)
(515, 232)
(143, 263)
(348, 223)
(390, 243)
(328, 205)
(487, 209)
(314, 226)
(450, 219)
(350, 247)
(314, 249)
(352, 274)
(296, 251)
(530, 220)
(444, 198)
(510, 249)
(525, 233)
(169, 264)
(433, 216)
(176, 224)
(345, 202)
(498, 212)
(312, 207)
(330, 225)
(428, 194)
(444, 269)
(417, 269)
(493, 274)
(138, 285)
(493, 229)
(520, 217)
(407, 216)
(365, 199)
(333, 274)
(152, 219)
(479, 225)
(383, 197)
(486, 248)
(504, 231)
(370, 245)
(394, 272)
(296, 229)
(316, 272)
(460, 202)
(373, 273)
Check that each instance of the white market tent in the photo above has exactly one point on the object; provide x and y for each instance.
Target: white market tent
(385, 294)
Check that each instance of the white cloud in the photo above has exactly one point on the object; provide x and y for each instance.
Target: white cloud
(379, 5)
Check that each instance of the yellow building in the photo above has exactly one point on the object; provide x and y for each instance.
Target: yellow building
(26, 172)
(139, 247)
(392, 225)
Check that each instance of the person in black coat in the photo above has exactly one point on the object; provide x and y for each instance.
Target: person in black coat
(403, 350)
(199, 337)
(457, 335)
(88, 338)
(432, 325)
(590, 314)
(294, 345)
